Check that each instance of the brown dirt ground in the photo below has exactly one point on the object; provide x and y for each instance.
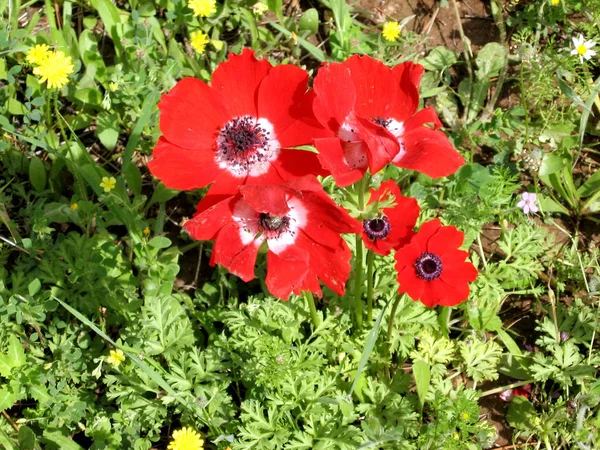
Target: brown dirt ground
(439, 24)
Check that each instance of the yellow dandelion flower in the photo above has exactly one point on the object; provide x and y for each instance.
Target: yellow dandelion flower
(464, 415)
(555, 2)
(391, 31)
(259, 8)
(113, 86)
(55, 69)
(203, 8)
(74, 206)
(146, 231)
(186, 439)
(115, 358)
(35, 55)
(108, 184)
(199, 41)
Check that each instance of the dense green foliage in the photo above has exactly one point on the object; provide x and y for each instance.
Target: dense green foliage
(86, 270)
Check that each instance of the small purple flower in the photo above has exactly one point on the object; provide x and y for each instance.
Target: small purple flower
(527, 203)
(564, 336)
(529, 348)
(507, 395)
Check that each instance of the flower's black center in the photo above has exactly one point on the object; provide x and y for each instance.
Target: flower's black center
(273, 225)
(241, 140)
(381, 121)
(429, 266)
(377, 228)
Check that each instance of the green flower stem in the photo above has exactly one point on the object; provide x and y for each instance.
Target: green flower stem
(358, 268)
(59, 118)
(508, 386)
(392, 316)
(358, 272)
(370, 282)
(313, 309)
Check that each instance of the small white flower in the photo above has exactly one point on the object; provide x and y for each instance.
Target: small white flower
(583, 48)
(527, 203)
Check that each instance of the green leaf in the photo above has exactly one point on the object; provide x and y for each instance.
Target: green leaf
(521, 414)
(34, 287)
(591, 185)
(7, 398)
(567, 90)
(552, 163)
(588, 110)
(15, 351)
(439, 59)
(62, 442)
(369, 345)
(133, 176)
(310, 48)
(15, 107)
(89, 96)
(26, 438)
(37, 174)
(147, 107)
(490, 59)
(15, 356)
(162, 194)
(422, 373)
(131, 354)
(160, 242)
(88, 50)
(310, 21)
(107, 129)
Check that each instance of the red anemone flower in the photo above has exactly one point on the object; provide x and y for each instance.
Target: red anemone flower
(236, 130)
(371, 111)
(390, 228)
(432, 269)
(301, 226)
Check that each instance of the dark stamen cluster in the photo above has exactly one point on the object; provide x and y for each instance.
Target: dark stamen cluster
(381, 121)
(273, 225)
(377, 228)
(241, 140)
(429, 266)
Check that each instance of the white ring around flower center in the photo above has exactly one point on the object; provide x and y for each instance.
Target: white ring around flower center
(264, 154)
(247, 219)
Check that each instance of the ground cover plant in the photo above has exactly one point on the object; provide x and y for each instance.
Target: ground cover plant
(299, 224)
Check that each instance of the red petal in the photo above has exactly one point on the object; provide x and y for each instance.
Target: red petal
(331, 156)
(375, 85)
(386, 190)
(287, 272)
(429, 152)
(237, 79)
(455, 272)
(427, 230)
(183, 169)
(192, 114)
(380, 246)
(408, 76)
(406, 257)
(383, 146)
(323, 213)
(427, 115)
(452, 295)
(206, 225)
(446, 238)
(225, 186)
(297, 163)
(266, 198)
(283, 100)
(330, 264)
(335, 95)
(235, 256)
